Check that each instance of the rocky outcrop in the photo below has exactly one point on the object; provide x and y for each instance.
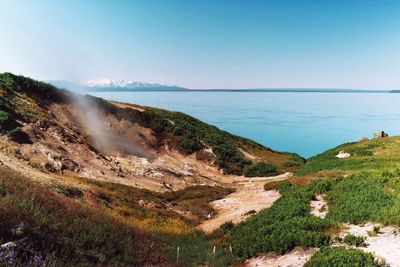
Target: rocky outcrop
(343, 155)
(380, 134)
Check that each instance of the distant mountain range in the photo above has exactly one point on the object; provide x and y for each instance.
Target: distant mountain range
(115, 85)
(126, 86)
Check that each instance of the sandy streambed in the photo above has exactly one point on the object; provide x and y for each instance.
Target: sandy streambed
(249, 197)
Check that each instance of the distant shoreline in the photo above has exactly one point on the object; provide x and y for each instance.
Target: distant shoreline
(243, 90)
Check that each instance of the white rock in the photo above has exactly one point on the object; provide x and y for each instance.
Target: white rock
(8, 245)
(343, 155)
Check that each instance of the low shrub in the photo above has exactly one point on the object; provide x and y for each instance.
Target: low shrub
(284, 225)
(272, 185)
(196, 250)
(261, 169)
(374, 231)
(4, 117)
(340, 256)
(294, 160)
(226, 226)
(353, 240)
(362, 197)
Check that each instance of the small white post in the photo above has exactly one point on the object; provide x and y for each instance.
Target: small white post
(214, 256)
(177, 255)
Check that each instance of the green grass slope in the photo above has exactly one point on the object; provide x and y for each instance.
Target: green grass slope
(368, 155)
(362, 188)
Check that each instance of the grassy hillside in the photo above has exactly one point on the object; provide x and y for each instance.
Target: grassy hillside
(368, 155)
(61, 231)
(24, 99)
(358, 198)
(105, 224)
(190, 135)
(285, 225)
(362, 188)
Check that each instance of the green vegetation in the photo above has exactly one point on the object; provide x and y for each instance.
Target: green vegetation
(294, 160)
(19, 97)
(283, 226)
(196, 249)
(18, 135)
(194, 135)
(272, 185)
(356, 199)
(261, 169)
(375, 154)
(366, 197)
(168, 227)
(14, 133)
(353, 240)
(4, 117)
(374, 231)
(193, 199)
(340, 256)
(190, 135)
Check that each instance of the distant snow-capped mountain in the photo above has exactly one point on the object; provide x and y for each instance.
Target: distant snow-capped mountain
(114, 85)
(107, 83)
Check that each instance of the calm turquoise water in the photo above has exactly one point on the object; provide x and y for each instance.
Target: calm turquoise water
(306, 123)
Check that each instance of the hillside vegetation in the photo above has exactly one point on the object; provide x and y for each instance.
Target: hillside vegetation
(362, 188)
(339, 256)
(358, 198)
(61, 231)
(103, 224)
(190, 135)
(368, 155)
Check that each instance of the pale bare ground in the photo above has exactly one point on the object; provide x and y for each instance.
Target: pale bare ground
(295, 258)
(25, 170)
(123, 105)
(249, 196)
(384, 245)
(319, 207)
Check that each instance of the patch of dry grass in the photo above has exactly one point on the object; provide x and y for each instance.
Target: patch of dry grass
(65, 231)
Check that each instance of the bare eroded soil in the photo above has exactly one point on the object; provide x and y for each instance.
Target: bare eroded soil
(295, 258)
(385, 244)
(249, 198)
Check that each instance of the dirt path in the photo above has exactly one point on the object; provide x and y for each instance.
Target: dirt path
(249, 197)
(319, 206)
(385, 244)
(295, 258)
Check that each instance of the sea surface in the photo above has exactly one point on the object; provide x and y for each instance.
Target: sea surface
(305, 123)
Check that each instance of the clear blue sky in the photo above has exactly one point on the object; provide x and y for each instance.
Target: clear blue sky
(206, 44)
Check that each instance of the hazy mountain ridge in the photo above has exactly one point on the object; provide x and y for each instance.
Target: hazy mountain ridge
(114, 85)
(125, 85)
